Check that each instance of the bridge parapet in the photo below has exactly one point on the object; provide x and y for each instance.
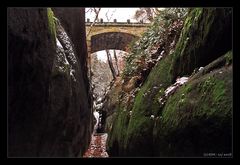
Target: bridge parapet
(116, 23)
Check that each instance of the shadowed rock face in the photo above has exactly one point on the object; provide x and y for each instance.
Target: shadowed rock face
(48, 112)
(73, 21)
(30, 58)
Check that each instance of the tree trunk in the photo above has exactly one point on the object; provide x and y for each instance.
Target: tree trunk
(111, 64)
(116, 60)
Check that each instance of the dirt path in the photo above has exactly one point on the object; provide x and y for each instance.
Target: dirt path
(97, 148)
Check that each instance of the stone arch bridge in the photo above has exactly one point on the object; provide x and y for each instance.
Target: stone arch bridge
(112, 35)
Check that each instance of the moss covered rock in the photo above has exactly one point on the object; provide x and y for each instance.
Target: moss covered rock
(206, 35)
(118, 133)
(197, 119)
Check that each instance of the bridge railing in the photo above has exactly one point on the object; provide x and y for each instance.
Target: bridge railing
(101, 22)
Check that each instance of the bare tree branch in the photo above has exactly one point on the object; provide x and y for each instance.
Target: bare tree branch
(90, 9)
(96, 11)
(145, 14)
(109, 18)
(106, 14)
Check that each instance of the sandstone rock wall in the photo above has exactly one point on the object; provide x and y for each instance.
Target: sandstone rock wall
(49, 111)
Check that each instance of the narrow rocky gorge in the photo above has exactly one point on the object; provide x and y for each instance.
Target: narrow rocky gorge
(171, 98)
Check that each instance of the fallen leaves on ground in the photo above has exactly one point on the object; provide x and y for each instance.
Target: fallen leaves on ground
(97, 147)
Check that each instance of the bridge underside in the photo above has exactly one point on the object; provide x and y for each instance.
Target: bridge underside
(111, 40)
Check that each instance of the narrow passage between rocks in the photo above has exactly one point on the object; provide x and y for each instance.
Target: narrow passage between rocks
(97, 147)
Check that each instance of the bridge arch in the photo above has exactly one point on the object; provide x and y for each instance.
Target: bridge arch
(111, 40)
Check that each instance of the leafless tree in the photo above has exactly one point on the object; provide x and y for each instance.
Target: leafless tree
(116, 61)
(110, 63)
(96, 11)
(107, 15)
(146, 14)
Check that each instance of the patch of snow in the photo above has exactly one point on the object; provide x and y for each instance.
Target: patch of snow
(94, 104)
(181, 80)
(172, 44)
(170, 90)
(171, 51)
(68, 45)
(130, 113)
(96, 116)
(161, 100)
(59, 44)
(99, 99)
(72, 71)
(61, 60)
(201, 68)
(159, 58)
(98, 106)
(162, 53)
(152, 117)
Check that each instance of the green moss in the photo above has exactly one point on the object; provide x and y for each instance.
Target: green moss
(139, 133)
(229, 58)
(183, 50)
(203, 30)
(196, 113)
(210, 92)
(117, 136)
(178, 101)
(51, 23)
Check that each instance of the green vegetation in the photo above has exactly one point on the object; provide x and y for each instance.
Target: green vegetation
(51, 23)
(116, 139)
(195, 47)
(154, 36)
(229, 58)
(183, 52)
